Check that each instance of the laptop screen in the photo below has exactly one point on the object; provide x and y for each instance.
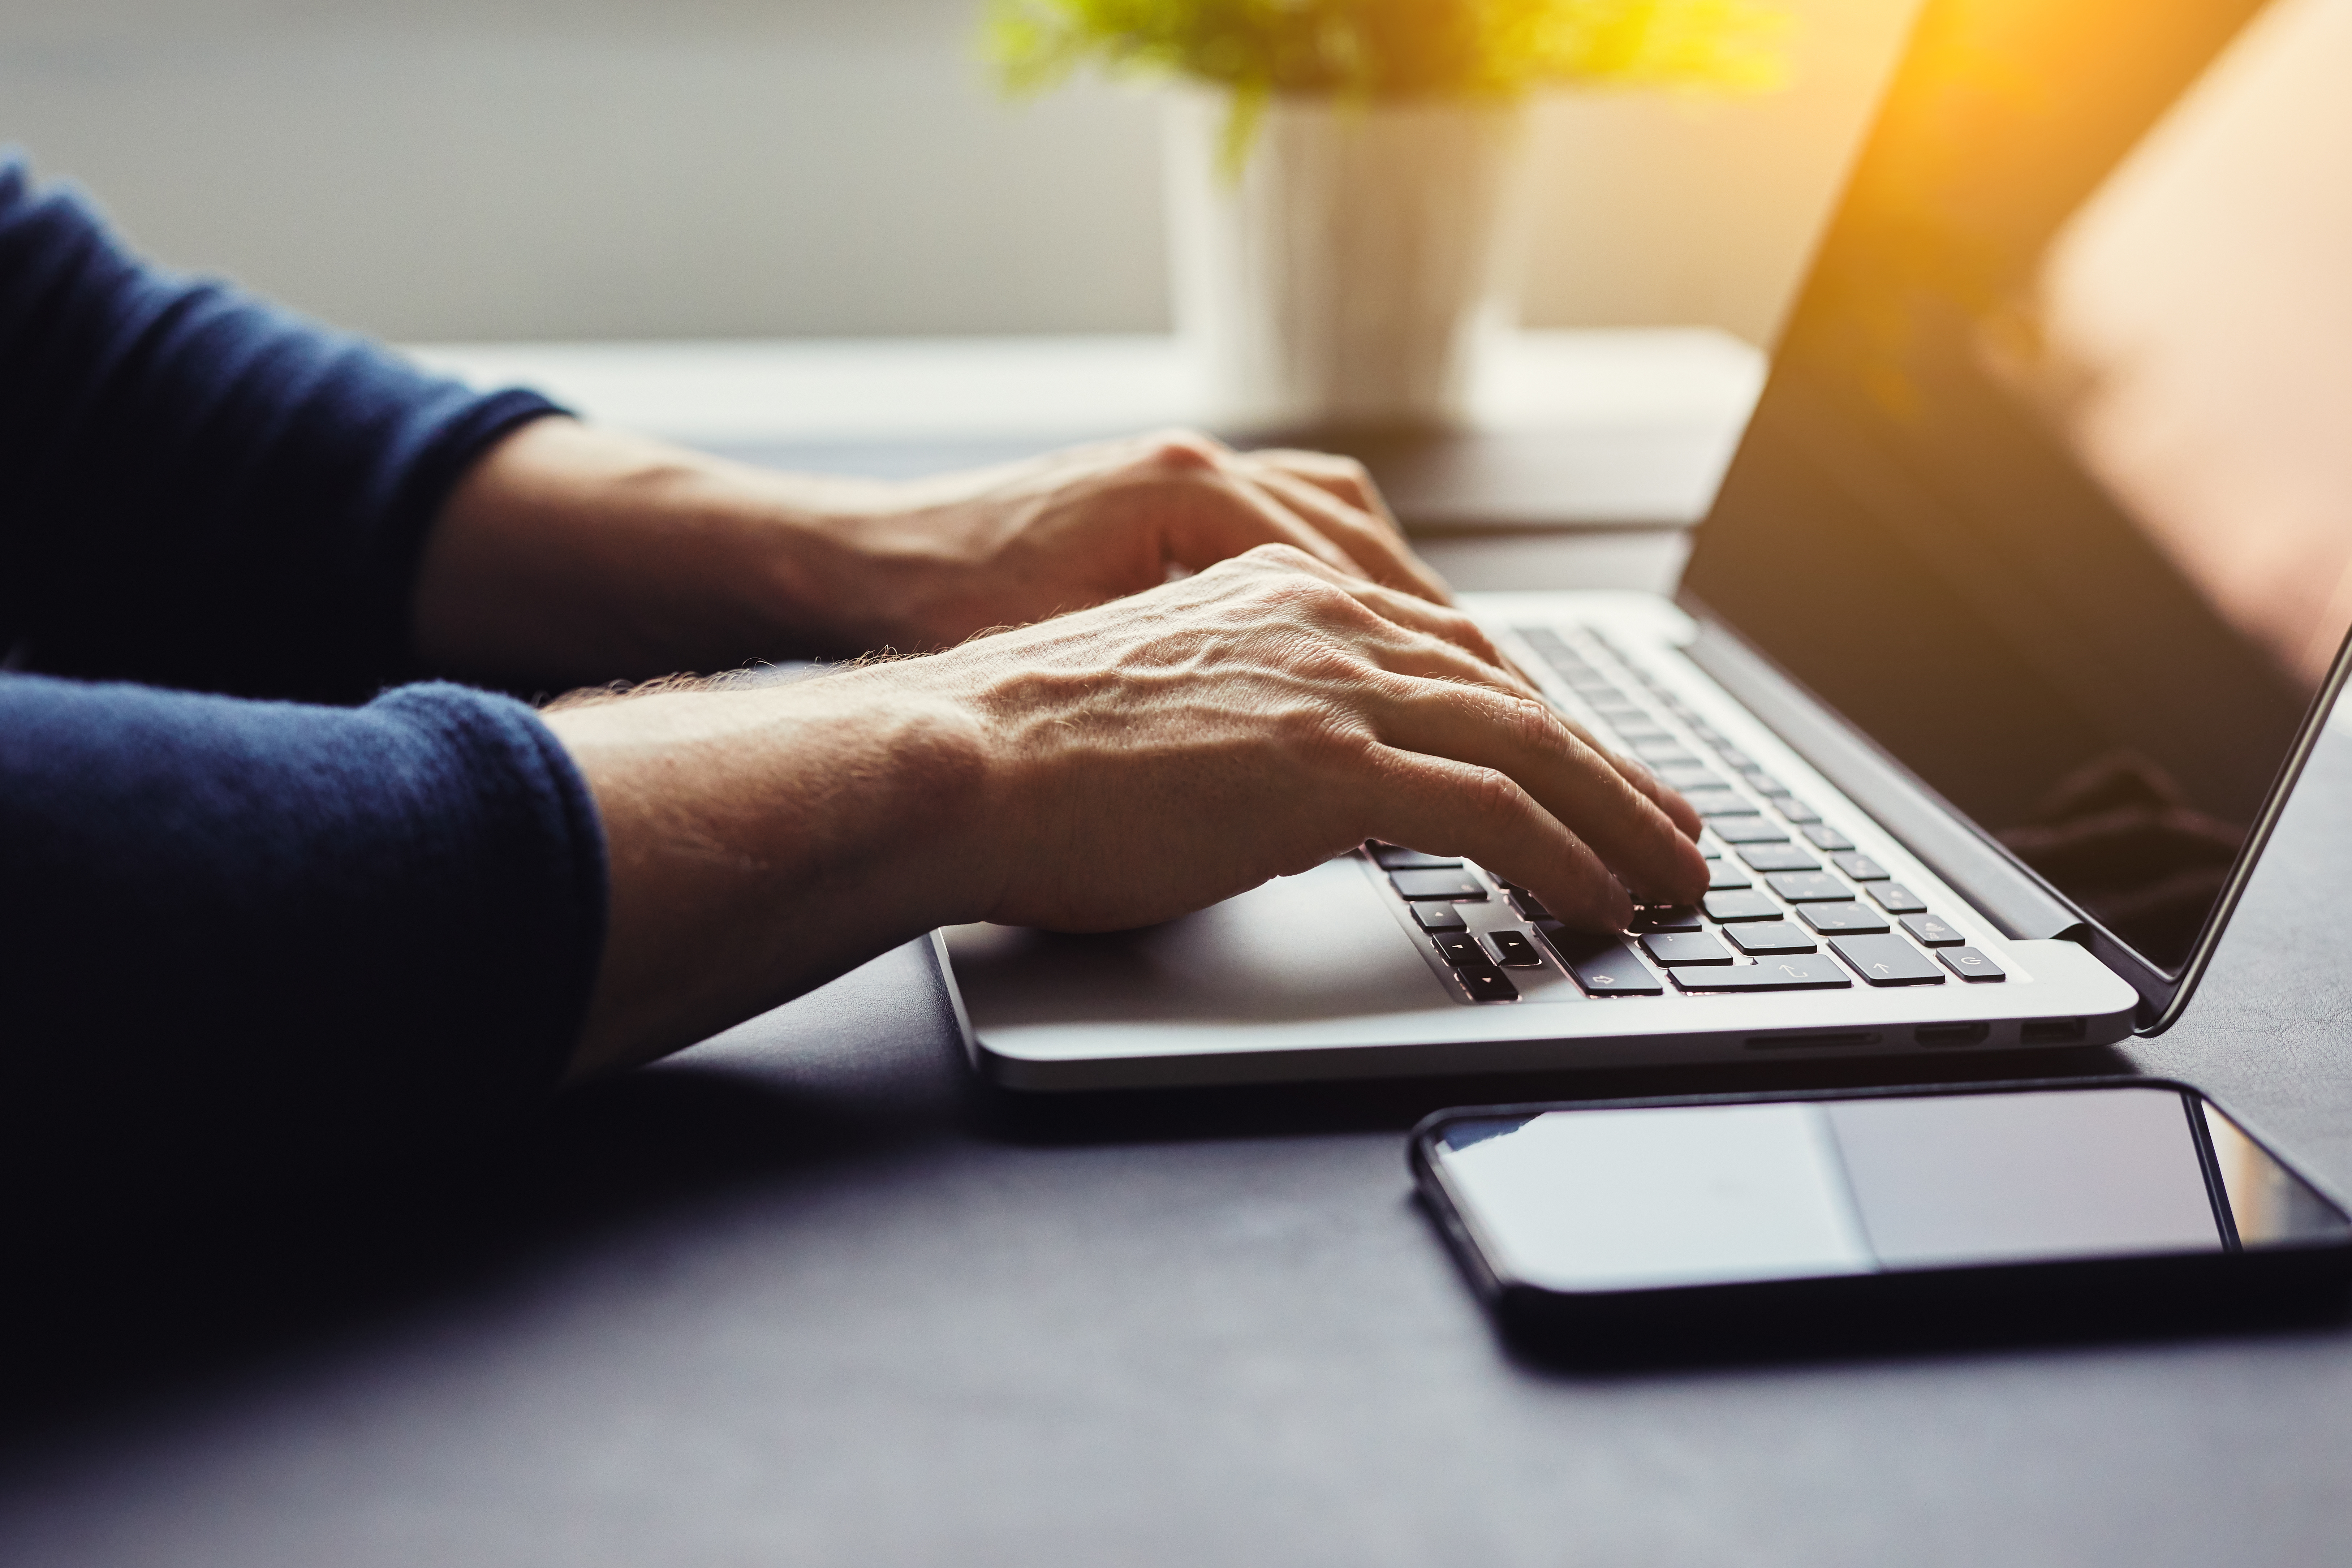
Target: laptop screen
(2051, 490)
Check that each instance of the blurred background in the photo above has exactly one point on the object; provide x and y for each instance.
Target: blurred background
(497, 170)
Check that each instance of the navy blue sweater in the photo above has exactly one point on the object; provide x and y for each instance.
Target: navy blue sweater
(226, 873)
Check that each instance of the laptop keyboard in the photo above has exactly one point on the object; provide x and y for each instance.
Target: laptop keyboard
(1792, 905)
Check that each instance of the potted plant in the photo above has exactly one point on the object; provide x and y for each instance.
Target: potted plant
(1346, 177)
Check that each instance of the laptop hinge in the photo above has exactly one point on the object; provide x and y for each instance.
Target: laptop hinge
(1930, 829)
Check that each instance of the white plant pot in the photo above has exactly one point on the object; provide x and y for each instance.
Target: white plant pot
(1350, 275)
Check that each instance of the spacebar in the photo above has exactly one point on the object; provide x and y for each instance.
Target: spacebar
(1815, 974)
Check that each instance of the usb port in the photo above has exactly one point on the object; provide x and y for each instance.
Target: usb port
(2050, 1032)
(1952, 1033)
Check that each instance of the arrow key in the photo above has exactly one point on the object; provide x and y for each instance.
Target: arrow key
(1887, 961)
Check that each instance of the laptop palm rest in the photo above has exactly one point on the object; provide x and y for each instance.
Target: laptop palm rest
(1319, 945)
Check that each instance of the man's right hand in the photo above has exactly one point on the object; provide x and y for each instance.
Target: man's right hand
(1104, 770)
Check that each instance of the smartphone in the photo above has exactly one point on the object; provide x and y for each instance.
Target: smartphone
(1682, 1227)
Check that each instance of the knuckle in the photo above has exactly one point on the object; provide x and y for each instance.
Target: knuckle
(1182, 451)
(1490, 795)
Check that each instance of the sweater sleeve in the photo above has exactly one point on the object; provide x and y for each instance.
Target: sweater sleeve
(199, 489)
(382, 919)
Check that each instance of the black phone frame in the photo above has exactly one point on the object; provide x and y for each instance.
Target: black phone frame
(2125, 1295)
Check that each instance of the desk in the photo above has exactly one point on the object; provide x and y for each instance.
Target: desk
(806, 1294)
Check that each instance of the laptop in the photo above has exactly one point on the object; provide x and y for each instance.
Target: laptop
(2021, 606)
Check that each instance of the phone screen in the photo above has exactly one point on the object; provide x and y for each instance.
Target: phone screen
(1647, 1198)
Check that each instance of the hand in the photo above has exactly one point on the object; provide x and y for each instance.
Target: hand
(1026, 541)
(1104, 770)
(571, 554)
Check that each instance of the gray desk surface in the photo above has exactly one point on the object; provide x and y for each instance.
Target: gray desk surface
(804, 1295)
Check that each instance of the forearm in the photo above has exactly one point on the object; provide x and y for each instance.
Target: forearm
(574, 555)
(761, 842)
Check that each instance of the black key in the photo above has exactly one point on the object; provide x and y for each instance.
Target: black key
(1662, 753)
(1833, 920)
(1664, 917)
(1930, 930)
(1696, 776)
(1970, 964)
(1822, 836)
(1798, 973)
(1392, 857)
(1695, 947)
(1771, 936)
(1749, 830)
(1515, 950)
(1722, 875)
(1808, 886)
(1603, 965)
(1436, 884)
(1709, 848)
(1487, 984)
(1778, 858)
(1463, 952)
(1887, 961)
(1529, 907)
(1896, 899)
(1861, 868)
(1438, 917)
(1720, 803)
(1730, 907)
(1790, 807)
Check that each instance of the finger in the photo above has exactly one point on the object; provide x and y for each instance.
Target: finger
(1453, 807)
(1404, 610)
(1458, 628)
(1343, 477)
(1229, 519)
(1526, 740)
(1385, 556)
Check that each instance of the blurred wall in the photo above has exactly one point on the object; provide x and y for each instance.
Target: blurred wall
(495, 169)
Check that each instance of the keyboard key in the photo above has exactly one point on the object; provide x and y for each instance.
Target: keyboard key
(1391, 857)
(1664, 917)
(1712, 803)
(1861, 868)
(1735, 759)
(1603, 965)
(1437, 885)
(1896, 899)
(1808, 886)
(1970, 964)
(1515, 950)
(1696, 947)
(1694, 776)
(1798, 973)
(1662, 753)
(1727, 907)
(1722, 875)
(1778, 858)
(1822, 836)
(1887, 961)
(1438, 917)
(1643, 732)
(1487, 984)
(1930, 930)
(1529, 906)
(1770, 937)
(1748, 830)
(1831, 920)
(1463, 952)
(1790, 807)
(1709, 847)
